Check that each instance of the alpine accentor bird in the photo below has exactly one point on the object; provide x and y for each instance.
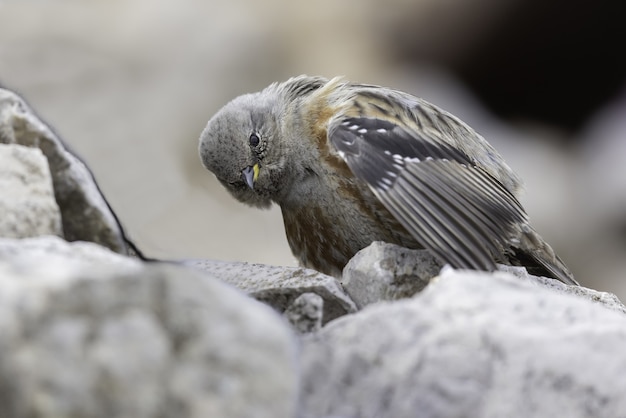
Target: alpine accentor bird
(350, 164)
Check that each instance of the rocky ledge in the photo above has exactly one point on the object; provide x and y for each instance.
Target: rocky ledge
(89, 328)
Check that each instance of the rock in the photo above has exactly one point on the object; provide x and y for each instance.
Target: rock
(305, 313)
(87, 332)
(471, 344)
(280, 286)
(608, 300)
(384, 271)
(85, 213)
(27, 200)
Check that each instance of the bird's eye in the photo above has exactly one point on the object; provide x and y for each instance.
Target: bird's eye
(254, 140)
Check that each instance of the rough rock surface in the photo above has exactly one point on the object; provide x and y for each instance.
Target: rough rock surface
(280, 286)
(305, 313)
(85, 213)
(89, 333)
(607, 300)
(384, 271)
(27, 204)
(470, 345)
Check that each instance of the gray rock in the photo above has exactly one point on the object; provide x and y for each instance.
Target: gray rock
(280, 286)
(305, 313)
(85, 213)
(471, 344)
(27, 200)
(89, 333)
(606, 299)
(384, 271)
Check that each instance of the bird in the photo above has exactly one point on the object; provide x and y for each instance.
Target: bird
(351, 163)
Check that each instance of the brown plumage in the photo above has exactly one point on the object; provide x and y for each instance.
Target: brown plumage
(350, 164)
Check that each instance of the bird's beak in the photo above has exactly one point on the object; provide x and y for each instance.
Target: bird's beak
(250, 174)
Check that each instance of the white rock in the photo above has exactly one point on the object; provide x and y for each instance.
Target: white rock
(384, 271)
(470, 344)
(280, 286)
(87, 332)
(85, 213)
(27, 204)
(305, 313)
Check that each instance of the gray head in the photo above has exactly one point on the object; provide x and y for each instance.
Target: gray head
(241, 146)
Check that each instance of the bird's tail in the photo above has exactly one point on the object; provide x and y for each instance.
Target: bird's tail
(540, 259)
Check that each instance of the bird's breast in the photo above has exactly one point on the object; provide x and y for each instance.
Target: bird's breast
(335, 223)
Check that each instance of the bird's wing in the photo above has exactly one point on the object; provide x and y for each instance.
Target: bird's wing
(449, 204)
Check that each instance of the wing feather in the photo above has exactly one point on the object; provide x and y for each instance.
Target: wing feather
(463, 214)
(448, 203)
(460, 232)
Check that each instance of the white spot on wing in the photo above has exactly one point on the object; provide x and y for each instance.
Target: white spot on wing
(381, 130)
(362, 131)
(354, 127)
(398, 158)
(383, 186)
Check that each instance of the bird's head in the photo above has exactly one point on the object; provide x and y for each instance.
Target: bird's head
(241, 146)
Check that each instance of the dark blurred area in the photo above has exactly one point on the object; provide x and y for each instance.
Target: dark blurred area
(555, 62)
(130, 84)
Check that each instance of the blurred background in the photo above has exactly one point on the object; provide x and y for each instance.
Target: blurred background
(130, 84)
